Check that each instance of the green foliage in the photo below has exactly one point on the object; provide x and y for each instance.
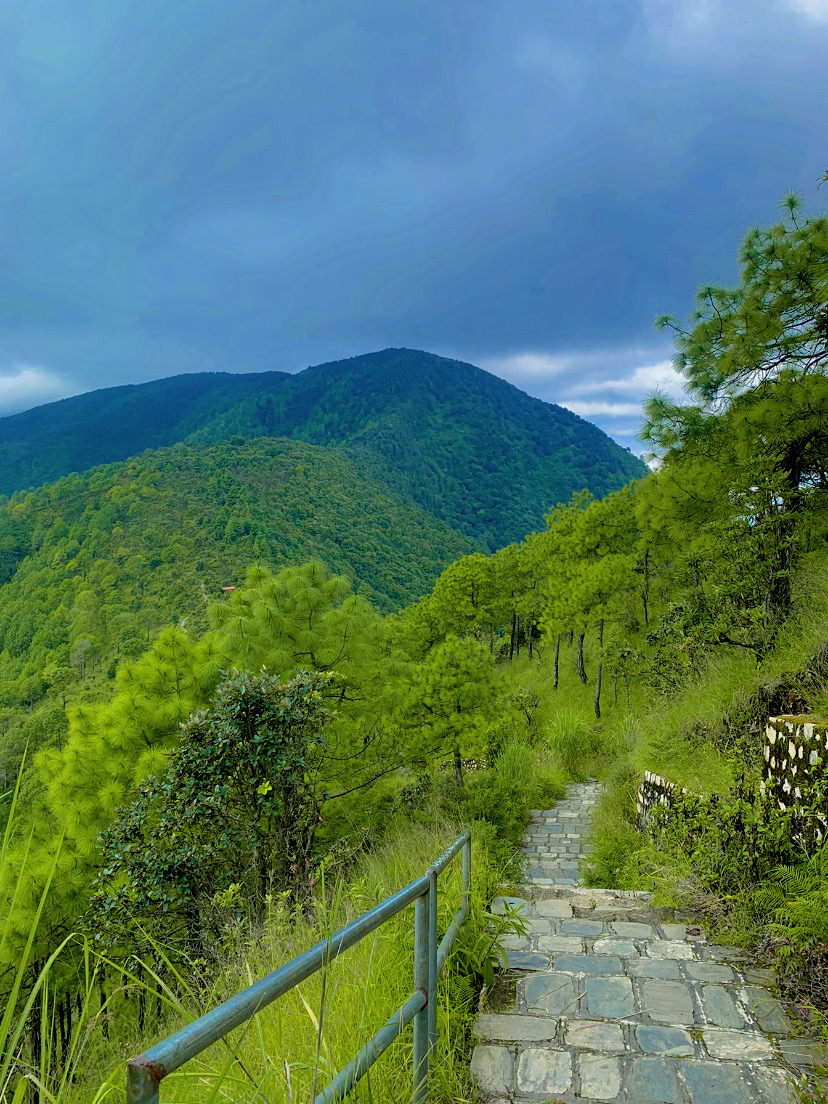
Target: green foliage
(236, 807)
(426, 427)
(573, 741)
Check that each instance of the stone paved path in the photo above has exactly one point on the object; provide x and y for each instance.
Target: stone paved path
(608, 999)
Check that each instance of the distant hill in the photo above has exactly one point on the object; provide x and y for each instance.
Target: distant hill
(463, 445)
(73, 435)
(149, 540)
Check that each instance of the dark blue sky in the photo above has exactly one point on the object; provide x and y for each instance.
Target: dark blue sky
(243, 186)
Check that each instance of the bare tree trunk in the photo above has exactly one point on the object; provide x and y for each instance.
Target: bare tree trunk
(600, 667)
(557, 657)
(580, 659)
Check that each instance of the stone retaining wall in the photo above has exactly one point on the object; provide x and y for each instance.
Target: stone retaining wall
(796, 757)
(652, 792)
(796, 754)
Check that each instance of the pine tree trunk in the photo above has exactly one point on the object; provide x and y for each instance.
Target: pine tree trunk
(529, 637)
(569, 638)
(645, 596)
(598, 672)
(104, 1013)
(517, 638)
(557, 658)
(580, 659)
(458, 767)
(512, 638)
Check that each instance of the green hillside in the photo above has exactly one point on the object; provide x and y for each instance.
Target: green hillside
(91, 565)
(73, 435)
(469, 448)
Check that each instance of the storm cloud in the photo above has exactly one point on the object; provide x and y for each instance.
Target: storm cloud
(250, 186)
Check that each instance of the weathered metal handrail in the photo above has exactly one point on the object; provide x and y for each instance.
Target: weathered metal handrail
(145, 1073)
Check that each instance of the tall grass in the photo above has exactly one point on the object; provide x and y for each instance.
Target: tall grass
(290, 1048)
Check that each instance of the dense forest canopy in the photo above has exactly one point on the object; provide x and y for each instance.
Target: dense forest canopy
(463, 445)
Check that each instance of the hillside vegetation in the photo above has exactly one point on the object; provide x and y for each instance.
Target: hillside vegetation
(181, 825)
(463, 445)
(93, 564)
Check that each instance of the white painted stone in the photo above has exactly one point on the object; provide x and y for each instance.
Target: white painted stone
(544, 1071)
(600, 1077)
(741, 1046)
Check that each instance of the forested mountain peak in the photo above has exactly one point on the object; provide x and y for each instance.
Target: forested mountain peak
(464, 445)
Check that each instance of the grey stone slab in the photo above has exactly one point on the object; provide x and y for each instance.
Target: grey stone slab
(600, 1077)
(738, 1046)
(766, 1010)
(727, 954)
(716, 1083)
(523, 960)
(625, 948)
(670, 948)
(561, 944)
(667, 1001)
(803, 1052)
(499, 904)
(512, 1027)
(554, 994)
(709, 971)
(651, 1079)
(633, 931)
(674, 931)
(557, 909)
(672, 1042)
(538, 926)
(721, 1007)
(492, 1067)
(589, 964)
(609, 998)
(595, 1035)
(665, 969)
(544, 1071)
(775, 1086)
(515, 943)
(582, 927)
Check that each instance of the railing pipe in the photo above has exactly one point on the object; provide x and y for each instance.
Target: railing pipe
(393, 1027)
(145, 1073)
(421, 928)
(431, 1008)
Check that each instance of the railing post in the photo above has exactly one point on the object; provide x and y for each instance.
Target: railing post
(431, 1007)
(466, 860)
(142, 1086)
(421, 957)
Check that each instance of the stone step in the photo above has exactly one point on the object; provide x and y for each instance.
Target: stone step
(610, 999)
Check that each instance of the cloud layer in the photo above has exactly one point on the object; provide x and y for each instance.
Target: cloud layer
(204, 186)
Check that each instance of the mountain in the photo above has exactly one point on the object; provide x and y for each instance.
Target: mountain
(134, 545)
(463, 445)
(73, 435)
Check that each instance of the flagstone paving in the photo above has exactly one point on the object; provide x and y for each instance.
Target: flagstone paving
(616, 1002)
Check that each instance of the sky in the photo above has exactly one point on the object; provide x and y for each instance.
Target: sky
(524, 185)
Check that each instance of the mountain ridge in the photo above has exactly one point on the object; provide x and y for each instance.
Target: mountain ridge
(466, 446)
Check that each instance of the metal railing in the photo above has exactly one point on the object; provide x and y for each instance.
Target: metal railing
(145, 1073)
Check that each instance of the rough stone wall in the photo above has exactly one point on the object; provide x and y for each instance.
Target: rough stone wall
(653, 791)
(796, 754)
